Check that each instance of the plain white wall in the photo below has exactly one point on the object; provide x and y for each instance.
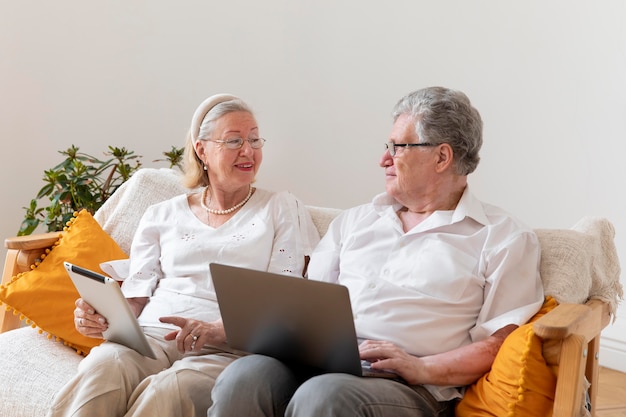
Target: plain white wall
(547, 77)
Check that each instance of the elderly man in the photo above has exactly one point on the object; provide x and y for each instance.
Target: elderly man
(437, 281)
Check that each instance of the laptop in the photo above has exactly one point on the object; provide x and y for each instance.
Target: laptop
(104, 294)
(296, 320)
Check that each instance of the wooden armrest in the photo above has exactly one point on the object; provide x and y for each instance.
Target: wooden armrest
(586, 320)
(38, 241)
(571, 334)
(23, 251)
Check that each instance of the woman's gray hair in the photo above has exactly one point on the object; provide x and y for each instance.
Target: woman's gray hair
(193, 168)
(221, 109)
(442, 115)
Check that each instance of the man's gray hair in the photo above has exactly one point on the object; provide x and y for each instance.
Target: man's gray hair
(442, 115)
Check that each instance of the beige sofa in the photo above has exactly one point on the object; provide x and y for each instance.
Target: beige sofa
(579, 268)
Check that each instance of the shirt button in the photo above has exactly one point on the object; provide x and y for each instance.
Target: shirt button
(372, 286)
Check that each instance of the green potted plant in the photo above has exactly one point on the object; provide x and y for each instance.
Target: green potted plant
(82, 181)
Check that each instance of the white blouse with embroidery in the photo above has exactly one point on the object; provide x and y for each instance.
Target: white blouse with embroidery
(172, 250)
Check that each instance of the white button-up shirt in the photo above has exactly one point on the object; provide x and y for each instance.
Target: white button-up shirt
(453, 279)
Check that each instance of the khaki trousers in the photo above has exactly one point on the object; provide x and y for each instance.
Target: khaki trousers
(114, 380)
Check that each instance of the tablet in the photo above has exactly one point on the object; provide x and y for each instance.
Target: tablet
(104, 294)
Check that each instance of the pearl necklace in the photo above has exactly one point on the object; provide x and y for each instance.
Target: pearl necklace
(227, 211)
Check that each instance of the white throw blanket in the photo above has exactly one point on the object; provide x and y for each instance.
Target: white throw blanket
(569, 274)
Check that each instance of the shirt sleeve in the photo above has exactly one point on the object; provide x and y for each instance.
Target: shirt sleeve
(144, 270)
(513, 289)
(295, 235)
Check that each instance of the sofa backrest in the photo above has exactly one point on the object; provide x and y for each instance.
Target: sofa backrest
(576, 264)
(119, 216)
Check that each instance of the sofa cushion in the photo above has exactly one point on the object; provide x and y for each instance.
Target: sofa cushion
(322, 217)
(119, 216)
(45, 296)
(32, 370)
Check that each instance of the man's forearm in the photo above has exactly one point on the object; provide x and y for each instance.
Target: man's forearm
(464, 365)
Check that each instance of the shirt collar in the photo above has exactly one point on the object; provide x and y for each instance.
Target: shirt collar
(469, 206)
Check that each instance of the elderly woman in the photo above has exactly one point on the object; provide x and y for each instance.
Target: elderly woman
(170, 287)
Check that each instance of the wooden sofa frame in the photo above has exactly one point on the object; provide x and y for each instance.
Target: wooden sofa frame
(571, 332)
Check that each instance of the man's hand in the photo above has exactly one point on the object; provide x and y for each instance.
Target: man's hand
(385, 356)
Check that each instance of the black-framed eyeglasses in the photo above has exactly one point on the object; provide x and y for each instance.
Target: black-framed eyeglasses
(237, 143)
(391, 147)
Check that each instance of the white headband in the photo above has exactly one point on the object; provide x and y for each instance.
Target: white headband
(203, 109)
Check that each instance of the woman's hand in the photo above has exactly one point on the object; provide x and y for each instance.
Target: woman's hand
(87, 321)
(194, 334)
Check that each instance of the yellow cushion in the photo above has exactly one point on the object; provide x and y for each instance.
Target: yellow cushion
(520, 383)
(45, 296)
